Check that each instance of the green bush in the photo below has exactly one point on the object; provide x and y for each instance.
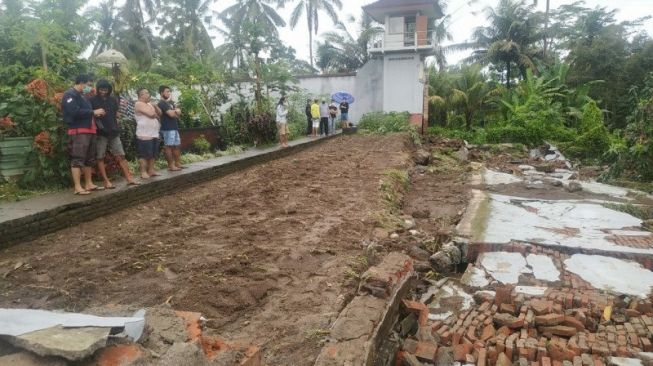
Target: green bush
(201, 145)
(381, 123)
(262, 129)
(476, 136)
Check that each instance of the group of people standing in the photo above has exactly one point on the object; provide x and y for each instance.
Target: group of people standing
(93, 130)
(321, 118)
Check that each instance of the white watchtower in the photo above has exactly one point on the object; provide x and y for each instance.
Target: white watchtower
(406, 42)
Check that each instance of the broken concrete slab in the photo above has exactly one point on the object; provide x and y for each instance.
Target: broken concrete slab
(612, 274)
(531, 290)
(14, 322)
(543, 267)
(622, 361)
(491, 177)
(575, 224)
(504, 267)
(70, 343)
(474, 277)
(30, 359)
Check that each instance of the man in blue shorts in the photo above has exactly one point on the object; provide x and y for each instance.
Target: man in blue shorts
(170, 129)
(344, 114)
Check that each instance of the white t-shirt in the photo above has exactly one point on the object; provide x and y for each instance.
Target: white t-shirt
(282, 112)
(147, 127)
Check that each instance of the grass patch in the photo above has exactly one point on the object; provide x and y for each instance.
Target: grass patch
(641, 212)
(11, 192)
(392, 187)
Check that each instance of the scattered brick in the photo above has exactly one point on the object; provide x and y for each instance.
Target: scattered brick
(426, 351)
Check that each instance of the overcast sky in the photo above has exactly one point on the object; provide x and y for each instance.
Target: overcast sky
(466, 15)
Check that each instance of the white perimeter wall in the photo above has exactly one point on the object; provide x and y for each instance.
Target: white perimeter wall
(403, 90)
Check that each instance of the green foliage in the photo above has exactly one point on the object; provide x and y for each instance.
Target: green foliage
(477, 136)
(382, 123)
(262, 129)
(201, 145)
(193, 112)
(593, 138)
(632, 157)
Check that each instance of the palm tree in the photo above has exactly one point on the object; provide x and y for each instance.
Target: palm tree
(546, 25)
(470, 93)
(311, 9)
(188, 24)
(509, 39)
(257, 11)
(104, 25)
(341, 51)
(134, 38)
(233, 51)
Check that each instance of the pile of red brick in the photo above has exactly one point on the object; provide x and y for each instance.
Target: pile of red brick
(563, 327)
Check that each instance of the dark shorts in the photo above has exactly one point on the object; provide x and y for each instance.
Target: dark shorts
(82, 150)
(147, 149)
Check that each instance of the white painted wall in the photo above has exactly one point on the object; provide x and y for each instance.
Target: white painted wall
(369, 90)
(403, 90)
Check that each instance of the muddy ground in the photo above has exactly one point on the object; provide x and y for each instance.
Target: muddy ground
(262, 253)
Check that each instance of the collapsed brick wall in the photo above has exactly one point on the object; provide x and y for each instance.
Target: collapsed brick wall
(571, 324)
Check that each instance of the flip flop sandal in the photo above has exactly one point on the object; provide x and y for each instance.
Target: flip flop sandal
(109, 187)
(97, 189)
(82, 193)
(133, 184)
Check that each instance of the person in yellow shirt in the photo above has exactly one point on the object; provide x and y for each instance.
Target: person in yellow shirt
(315, 114)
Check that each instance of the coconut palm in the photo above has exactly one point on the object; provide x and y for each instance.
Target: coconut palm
(311, 9)
(470, 93)
(340, 51)
(187, 23)
(103, 18)
(546, 25)
(134, 38)
(509, 40)
(256, 11)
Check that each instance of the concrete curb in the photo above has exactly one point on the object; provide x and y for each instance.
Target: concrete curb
(471, 226)
(31, 226)
(361, 328)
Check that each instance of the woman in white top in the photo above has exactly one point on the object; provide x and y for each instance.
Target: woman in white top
(147, 133)
(282, 122)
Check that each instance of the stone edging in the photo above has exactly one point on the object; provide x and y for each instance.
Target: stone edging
(48, 221)
(361, 328)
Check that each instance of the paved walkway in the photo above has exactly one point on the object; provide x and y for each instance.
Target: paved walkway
(53, 204)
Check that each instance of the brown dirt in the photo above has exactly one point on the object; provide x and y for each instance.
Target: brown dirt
(262, 253)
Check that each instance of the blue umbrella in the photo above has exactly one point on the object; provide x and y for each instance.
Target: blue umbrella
(340, 97)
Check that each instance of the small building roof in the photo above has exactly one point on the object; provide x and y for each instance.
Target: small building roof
(378, 9)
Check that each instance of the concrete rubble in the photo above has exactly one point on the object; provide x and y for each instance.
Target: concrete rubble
(554, 280)
(169, 338)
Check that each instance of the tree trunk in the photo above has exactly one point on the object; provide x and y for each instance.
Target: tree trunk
(258, 93)
(508, 75)
(310, 42)
(546, 28)
(44, 57)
